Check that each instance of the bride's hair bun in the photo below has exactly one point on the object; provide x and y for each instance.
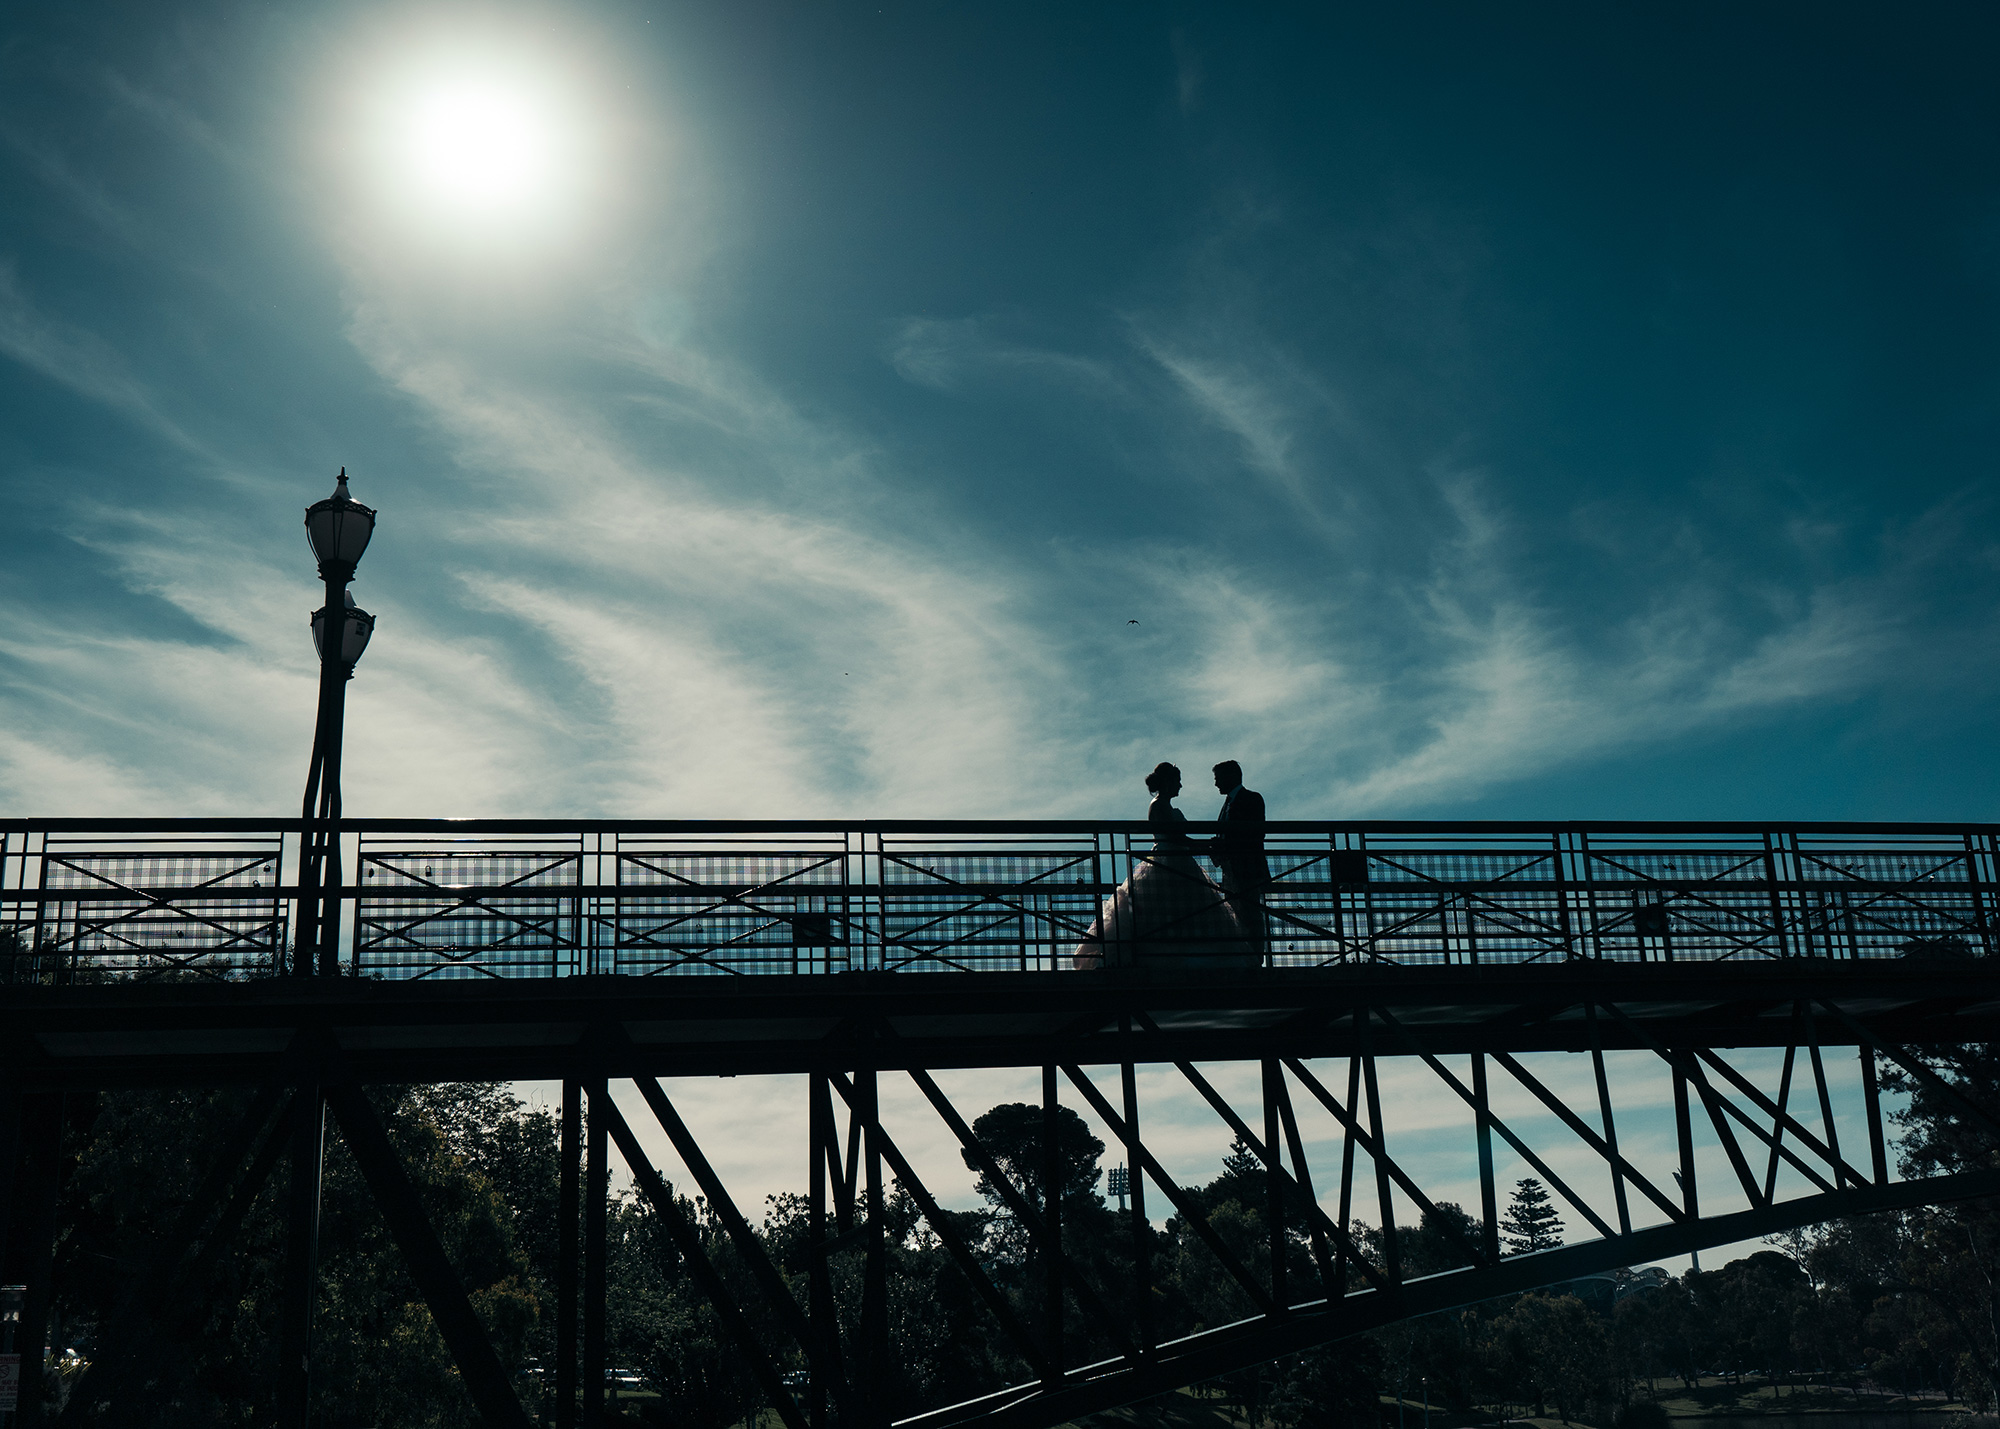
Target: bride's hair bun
(1162, 775)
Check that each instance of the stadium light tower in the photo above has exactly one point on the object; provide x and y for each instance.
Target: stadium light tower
(338, 528)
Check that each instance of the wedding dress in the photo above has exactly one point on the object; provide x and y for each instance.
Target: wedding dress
(1168, 913)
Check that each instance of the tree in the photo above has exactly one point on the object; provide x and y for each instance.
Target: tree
(137, 1158)
(1011, 1134)
(1557, 1349)
(1531, 1222)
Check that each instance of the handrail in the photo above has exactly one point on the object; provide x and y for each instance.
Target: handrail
(553, 897)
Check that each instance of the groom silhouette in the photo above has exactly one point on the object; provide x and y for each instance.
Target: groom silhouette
(1238, 850)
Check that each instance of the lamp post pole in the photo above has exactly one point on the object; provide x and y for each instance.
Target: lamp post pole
(339, 528)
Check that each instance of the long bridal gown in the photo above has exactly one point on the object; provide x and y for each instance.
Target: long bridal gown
(1168, 913)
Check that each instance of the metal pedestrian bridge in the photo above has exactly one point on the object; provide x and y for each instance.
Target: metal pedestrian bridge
(1761, 975)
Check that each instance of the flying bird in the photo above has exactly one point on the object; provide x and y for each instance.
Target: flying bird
(1131, 622)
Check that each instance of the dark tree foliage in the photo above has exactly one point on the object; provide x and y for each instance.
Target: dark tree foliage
(1012, 1135)
(1530, 1221)
(137, 1157)
(1910, 1296)
(1922, 1289)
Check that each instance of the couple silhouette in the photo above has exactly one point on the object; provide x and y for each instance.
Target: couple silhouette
(1171, 913)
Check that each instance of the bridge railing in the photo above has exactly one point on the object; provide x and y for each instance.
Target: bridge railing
(441, 899)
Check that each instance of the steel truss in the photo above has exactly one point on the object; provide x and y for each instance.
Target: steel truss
(1761, 974)
(1758, 1137)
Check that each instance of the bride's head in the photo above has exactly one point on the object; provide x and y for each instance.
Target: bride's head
(1165, 779)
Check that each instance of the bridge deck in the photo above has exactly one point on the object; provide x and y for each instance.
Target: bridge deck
(125, 1033)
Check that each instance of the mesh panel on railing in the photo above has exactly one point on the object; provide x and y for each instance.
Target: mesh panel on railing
(150, 912)
(497, 902)
(465, 912)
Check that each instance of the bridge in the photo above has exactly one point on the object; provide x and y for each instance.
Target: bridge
(1763, 972)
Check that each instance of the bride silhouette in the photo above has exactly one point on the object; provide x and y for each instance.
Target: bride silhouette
(1168, 912)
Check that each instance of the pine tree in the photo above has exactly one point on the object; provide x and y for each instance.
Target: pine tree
(1531, 1223)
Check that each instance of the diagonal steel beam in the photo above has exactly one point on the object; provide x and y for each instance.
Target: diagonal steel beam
(1183, 1202)
(748, 1246)
(1590, 1138)
(1320, 1221)
(1712, 1102)
(1482, 1109)
(478, 1366)
(1903, 1058)
(982, 1284)
(1368, 1143)
(694, 1255)
(1322, 1258)
(1232, 1347)
(1778, 1151)
(1024, 1213)
(1778, 1118)
(1781, 1118)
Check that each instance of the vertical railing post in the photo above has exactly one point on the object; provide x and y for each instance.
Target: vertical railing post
(301, 1287)
(569, 1207)
(1557, 857)
(1777, 897)
(596, 1191)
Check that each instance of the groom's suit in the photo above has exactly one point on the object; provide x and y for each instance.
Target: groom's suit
(1238, 851)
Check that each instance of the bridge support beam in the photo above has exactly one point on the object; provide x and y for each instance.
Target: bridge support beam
(568, 1207)
(874, 1357)
(301, 1274)
(1052, 1245)
(596, 1191)
(39, 1179)
(479, 1368)
(823, 1160)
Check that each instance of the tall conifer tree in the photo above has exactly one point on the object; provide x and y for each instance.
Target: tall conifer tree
(1530, 1222)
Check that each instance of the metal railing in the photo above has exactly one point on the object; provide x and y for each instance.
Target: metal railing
(84, 900)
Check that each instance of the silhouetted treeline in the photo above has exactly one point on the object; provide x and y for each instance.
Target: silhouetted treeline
(1902, 1299)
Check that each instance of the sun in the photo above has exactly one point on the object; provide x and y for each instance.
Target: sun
(482, 146)
(463, 151)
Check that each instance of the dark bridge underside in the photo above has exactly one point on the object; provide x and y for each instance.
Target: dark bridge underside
(203, 1032)
(844, 1029)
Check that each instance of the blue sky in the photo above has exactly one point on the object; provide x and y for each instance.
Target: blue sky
(1564, 412)
(1489, 412)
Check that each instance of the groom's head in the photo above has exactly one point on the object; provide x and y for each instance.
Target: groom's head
(1228, 774)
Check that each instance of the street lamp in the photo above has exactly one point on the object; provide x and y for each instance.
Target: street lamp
(338, 528)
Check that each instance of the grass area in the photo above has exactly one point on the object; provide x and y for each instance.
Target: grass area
(1182, 1409)
(1713, 1397)
(1756, 1396)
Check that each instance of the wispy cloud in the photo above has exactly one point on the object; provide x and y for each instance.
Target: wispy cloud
(948, 353)
(75, 357)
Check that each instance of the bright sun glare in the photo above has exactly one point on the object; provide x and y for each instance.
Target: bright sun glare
(480, 153)
(479, 146)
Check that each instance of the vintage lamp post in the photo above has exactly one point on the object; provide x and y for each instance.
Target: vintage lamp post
(339, 528)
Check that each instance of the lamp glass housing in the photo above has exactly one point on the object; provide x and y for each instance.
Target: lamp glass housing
(355, 628)
(339, 528)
